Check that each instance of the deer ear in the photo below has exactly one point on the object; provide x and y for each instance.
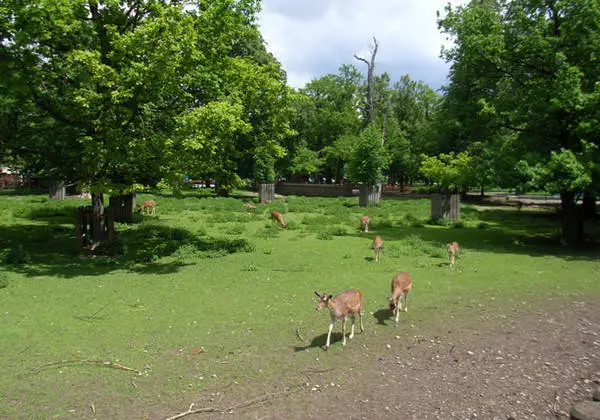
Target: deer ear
(329, 297)
(318, 295)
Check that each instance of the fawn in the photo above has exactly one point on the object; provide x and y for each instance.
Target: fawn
(377, 244)
(250, 207)
(346, 304)
(277, 217)
(149, 206)
(364, 223)
(453, 250)
(401, 285)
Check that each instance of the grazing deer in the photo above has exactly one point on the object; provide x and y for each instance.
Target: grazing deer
(149, 206)
(453, 250)
(401, 285)
(346, 304)
(364, 223)
(250, 207)
(277, 217)
(377, 244)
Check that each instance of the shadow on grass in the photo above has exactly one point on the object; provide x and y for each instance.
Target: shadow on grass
(50, 249)
(500, 231)
(319, 341)
(382, 315)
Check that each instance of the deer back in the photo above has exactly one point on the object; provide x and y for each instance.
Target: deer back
(401, 283)
(347, 302)
(377, 242)
(453, 248)
(149, 203)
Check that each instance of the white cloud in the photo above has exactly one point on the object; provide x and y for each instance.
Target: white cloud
(312, 38)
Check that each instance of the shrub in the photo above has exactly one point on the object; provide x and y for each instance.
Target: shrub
(459, 225)
(235, 229)
(3, 280)
(325, 235)
(17, 255)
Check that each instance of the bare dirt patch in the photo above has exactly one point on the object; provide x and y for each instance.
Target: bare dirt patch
(522, 365)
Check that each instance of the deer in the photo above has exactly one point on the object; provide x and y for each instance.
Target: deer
(149, 206)
(251, 207)
(377, 244)
(453, 250)
(277, 217)
(346, 304)
(401, 285)
(364, 222)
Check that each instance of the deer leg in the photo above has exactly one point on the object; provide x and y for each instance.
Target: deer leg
(406, 302)
(329, 333)
(344, 331)
(352, 328)
(360, 320)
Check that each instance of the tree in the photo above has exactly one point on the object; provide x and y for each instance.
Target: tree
(366, 165)
(377, 91)
(325, 111)
(532, 67)
(137, 91)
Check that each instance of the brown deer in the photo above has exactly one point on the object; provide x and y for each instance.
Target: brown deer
(377, 244)
(277, 217)
(453, 250)
(364, 223)
(149, 206)
(401, 285)
(250, 207)
(346, 304)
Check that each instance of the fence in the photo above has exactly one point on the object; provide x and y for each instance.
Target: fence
(314, 190)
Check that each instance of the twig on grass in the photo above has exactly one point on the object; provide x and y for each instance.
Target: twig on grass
(234, 407)
(91, 362)
(299, 335)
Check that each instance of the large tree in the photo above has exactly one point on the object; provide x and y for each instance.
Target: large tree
(532, 67)
(135, 91)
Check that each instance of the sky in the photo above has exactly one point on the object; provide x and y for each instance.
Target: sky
(312, 38)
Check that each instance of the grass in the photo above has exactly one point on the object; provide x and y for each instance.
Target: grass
(205, 295)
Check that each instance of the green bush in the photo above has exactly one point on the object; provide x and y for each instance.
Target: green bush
(3, 280)
(17, 255)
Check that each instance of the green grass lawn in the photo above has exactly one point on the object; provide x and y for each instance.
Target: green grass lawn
(204, 295)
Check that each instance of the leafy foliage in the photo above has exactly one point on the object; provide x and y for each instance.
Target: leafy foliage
(368, 159)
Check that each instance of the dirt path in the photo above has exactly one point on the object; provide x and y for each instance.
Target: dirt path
(523, 365)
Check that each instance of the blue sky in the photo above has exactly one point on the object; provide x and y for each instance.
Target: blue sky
(312, 38)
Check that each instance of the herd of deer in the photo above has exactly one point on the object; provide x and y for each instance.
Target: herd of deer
(349, 303)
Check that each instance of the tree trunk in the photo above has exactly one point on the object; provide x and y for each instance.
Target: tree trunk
(572, 219)
(589, 205)
(122, 207)
(57, 190)
(368, 194)
(98, 230)
(266, 192)
(445, 206)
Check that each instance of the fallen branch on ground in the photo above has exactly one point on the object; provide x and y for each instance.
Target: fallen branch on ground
(299, 335)
(91, 362)
(234, 407)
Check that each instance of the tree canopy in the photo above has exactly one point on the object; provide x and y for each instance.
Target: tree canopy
(115, 92)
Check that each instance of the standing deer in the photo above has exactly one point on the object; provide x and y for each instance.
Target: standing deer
(277, 217)
(401, 285)
(364, 223)
(346, 304)
(149, 206)
(453, 250)
(377, 244)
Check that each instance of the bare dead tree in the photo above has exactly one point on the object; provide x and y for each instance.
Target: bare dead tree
(370, 71)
